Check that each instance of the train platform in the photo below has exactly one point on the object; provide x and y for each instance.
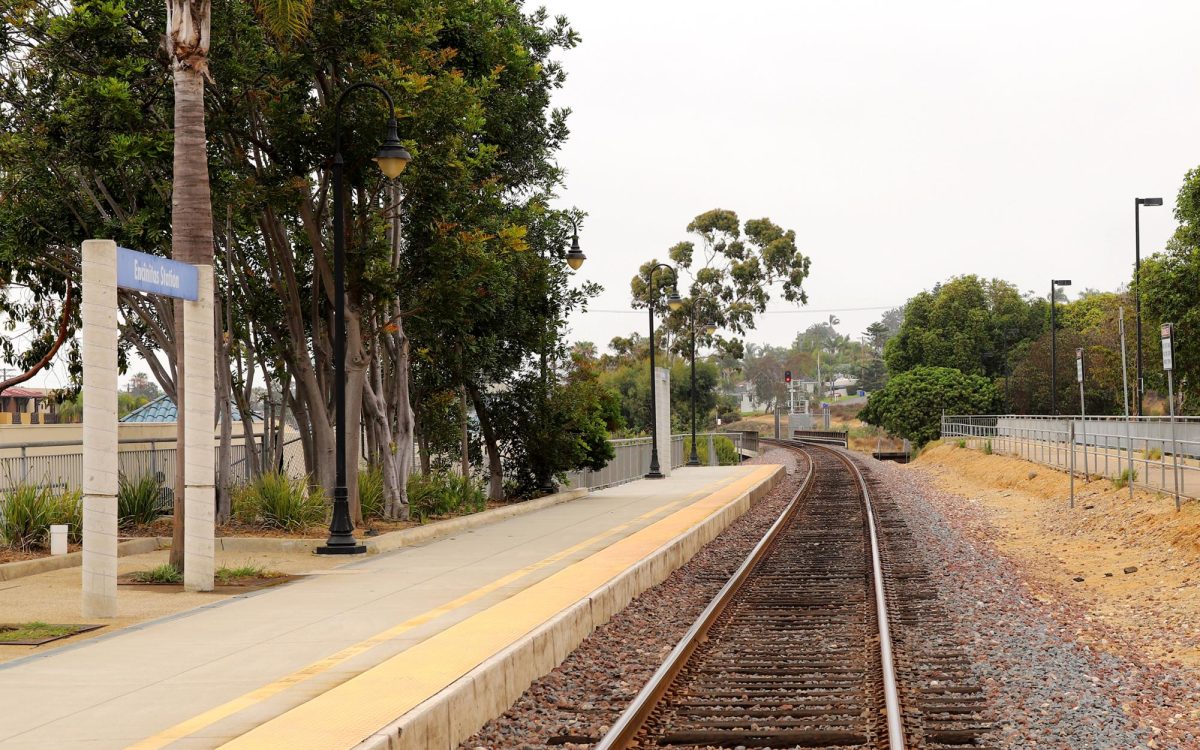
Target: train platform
(415, 648)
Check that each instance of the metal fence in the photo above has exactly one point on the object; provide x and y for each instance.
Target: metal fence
(1164, 456)
(632, 459)
(39, 463)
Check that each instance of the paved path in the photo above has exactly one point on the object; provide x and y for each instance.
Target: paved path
(205, 676)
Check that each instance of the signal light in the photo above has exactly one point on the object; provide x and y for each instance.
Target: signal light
(787, 376)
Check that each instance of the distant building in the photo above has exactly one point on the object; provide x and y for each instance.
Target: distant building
(26, 406)
(162, 409)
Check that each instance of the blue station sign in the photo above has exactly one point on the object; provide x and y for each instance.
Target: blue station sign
(150, 273)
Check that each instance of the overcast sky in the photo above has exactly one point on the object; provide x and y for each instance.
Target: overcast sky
(904, 142)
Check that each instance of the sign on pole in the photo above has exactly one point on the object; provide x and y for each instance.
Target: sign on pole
(1167, 347)
(1079, 365)
(150, 273)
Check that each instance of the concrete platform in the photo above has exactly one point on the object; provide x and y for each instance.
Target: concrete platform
(415, 648)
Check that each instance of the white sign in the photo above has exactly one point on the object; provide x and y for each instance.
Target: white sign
(1079, 365)
(1167, 346)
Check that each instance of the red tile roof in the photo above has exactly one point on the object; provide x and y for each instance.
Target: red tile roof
(19, 392)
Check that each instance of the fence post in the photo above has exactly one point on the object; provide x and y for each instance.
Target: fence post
(1071, 438)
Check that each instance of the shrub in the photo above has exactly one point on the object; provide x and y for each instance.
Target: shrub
(727, 453)
(279, 502)
(371, 492)
(442, 495)
(28, 511)
(961, 443)
(1124, 478)
(138, 500)
(987, 447)
(1154, 454)
(164, 573)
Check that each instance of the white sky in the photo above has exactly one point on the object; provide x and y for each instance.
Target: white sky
(905, 142)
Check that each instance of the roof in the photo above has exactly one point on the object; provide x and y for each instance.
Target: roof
(18, 392)
(162, 409)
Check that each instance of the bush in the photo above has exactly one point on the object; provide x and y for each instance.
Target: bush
(987, 447)
(138, 500)
(1154, 454)
(443, 495)
(165, 573)
(371, 495)
(28, 511)
(1124, 478)
(727, 453)
(911, 403)
(961, 443)
(277, 501)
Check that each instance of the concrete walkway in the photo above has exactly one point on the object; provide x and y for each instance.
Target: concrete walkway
(203, 677)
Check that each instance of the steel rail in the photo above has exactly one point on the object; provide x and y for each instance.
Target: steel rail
(626, 726)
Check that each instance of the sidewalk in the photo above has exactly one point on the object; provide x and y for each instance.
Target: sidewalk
(208, 675)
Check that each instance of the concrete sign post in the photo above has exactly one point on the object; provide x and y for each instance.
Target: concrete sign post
(662, 407)
(106, 267)
(99, 350)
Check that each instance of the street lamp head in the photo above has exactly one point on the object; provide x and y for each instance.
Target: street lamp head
(674, 301)
(1150, 201)
(575, 256)
(710, 328)
(392, 157)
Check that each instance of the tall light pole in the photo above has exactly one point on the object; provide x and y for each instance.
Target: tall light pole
(575, 259)
(674, 302)
(1137, 287)
(392, 158)
(710, 329)
(1054, 284)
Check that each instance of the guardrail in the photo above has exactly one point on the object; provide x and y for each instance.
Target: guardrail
(632, 459)
(1163, 457)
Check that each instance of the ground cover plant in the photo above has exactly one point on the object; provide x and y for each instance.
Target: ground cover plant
(27, 512)
(138, 500)
(278, 501)
(34, 631)
(164, 573)
(432, 495)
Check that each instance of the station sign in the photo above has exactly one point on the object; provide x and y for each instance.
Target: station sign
(1167, 334)
(1079, 365)
(162, 276)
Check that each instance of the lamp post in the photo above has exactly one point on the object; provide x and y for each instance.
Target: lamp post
(392, 158)
(575, 259)
(710, 329)
(1054, 283)
(1137, 284)
(674, 302)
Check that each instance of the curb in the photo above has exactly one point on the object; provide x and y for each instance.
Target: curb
(22, 568)
(247, 544)
(463, 707)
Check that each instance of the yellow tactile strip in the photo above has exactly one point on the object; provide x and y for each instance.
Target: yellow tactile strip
(361, 707)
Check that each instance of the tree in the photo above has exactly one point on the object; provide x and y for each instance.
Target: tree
(912, 403)
(967, 323)
(1170, 292)
(732, 271)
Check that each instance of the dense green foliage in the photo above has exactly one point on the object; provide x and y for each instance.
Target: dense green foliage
(444, 494)
(28, 511)
(277, 501)
(912, 403)
(139, 501)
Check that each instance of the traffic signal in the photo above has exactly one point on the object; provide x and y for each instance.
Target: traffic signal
(787, 376)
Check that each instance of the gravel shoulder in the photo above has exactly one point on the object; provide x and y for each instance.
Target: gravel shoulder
(1058, 672)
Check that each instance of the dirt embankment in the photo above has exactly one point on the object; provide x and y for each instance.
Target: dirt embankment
(1132, 566)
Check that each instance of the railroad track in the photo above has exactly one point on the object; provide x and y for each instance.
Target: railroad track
(829, 635)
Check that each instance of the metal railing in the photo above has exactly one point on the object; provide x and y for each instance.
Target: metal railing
(35, 462)
(632, 459)
(1164, 457)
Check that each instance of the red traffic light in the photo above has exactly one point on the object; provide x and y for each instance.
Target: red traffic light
(787, 376)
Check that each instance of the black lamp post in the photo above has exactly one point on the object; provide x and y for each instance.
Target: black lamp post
(674, 302)
(392, 158)
(575, 259)
(1137, 284)
(1054, 283)
(709, 328)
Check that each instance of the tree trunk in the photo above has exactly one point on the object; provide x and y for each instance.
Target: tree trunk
(495, 467)
(191, 202)
(224, 453)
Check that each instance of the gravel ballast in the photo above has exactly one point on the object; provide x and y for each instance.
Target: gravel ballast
(575, 704)
(1047, 686)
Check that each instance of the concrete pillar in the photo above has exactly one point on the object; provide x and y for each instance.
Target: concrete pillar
(662, 408)
(199, 387)
(99, 350)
